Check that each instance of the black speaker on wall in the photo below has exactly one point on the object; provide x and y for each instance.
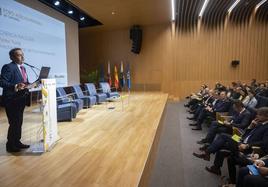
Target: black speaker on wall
(235, 63)
(136, 37)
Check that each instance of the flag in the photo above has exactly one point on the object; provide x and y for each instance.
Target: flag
(122, 77)
(109, 74)
(116, 82)
(101, 73)
(128, 77)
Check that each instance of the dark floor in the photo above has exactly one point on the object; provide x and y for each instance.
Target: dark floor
(175, 166)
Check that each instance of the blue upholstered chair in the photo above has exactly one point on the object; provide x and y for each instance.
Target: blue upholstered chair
(62, 98)
(66, 111)
(88, 100)
(105, 87)
(91, 90)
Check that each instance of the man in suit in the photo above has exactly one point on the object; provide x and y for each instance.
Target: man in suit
(241, 120)
(222, 105)
(14, 81)
(255, 135)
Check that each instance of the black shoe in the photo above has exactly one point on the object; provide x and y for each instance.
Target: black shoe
(186, 105)
(197, 129)
(204, 148)
(191, 118)
(192, 124)
(23, 146)
(203, 141)
(12, 149)
(204, 156)
(214, 170)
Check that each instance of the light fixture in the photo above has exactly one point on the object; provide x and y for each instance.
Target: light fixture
(233, 6)
(56, 3)
(82, 18)
(113, 12)
(203, 8)
(173, 10)
(70, 12)
(260, 4)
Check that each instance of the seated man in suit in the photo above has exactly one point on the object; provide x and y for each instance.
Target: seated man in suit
(248, 179)
(255, 135)
(14, 80)
(222, 105)
(241, 120)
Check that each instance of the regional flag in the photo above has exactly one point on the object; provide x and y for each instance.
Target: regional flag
(116, 81)
(109, 74)
(128, 77)
(122, 77)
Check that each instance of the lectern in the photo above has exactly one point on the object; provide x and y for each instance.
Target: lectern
(49, 129)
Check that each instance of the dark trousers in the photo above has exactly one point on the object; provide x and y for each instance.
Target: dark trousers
(14, 110)
(246, 180)
(223, 142)
(232, 162)
(198, 110)
(202, 116)
(216, 128)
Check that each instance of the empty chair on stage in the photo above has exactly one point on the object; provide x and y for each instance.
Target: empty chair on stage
(105, 87)
(88, 100)
(66, 111)
(63, 98)
(91, 90)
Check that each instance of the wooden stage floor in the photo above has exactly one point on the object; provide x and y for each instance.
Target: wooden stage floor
(100, 148)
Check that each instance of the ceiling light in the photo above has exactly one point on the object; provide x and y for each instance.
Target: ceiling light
(70, 12)
(113, 13)
(260, 4)
(233, 6)
(173, 10)
(56, 3)
(203, 8)
(82, 18)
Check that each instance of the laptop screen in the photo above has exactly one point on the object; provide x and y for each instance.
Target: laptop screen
(44, 73)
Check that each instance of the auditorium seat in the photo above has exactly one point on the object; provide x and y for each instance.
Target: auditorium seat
(66, 111)
(63, 98)
(105, 87)
(88, 100)
(91, 90)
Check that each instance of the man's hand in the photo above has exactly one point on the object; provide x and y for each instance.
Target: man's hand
(227, 123)
(243, 147)
(259, 163)
(263, 171)
(21, 86)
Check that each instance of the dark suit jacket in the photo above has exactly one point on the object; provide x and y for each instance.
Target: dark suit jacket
(241, 120)
(10, 76)
(222, 106)
(257, 137)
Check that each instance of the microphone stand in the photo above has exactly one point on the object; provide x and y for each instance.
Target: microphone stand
(37, 79)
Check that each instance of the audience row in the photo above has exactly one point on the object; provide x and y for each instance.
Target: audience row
(237, 117)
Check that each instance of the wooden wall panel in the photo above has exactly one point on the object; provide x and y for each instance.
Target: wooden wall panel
(179, 62)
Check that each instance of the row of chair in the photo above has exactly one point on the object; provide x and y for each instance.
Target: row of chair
(68, 105)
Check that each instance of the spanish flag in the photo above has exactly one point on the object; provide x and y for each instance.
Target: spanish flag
(116, 81)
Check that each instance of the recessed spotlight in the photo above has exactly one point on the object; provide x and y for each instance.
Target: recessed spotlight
(56, 3)
(113, 12)
(82, 18)
(70, 12)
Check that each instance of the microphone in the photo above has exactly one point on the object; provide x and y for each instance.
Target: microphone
(31, 66)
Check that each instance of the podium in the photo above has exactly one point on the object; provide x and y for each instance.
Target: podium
(49, 128)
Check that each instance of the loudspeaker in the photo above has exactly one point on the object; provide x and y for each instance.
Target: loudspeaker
(235, 63)
(136, 37)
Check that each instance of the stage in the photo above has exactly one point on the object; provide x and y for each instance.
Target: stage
(102, 147)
